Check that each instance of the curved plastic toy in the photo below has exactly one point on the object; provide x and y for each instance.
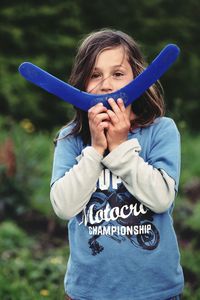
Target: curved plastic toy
(83, 100)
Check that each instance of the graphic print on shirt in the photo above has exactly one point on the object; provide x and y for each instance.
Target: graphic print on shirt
(115, 213)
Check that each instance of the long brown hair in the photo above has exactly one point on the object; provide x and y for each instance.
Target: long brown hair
(147, 108)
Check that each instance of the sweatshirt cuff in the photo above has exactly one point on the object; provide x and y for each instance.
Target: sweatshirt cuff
(115, 156)
(90, 152)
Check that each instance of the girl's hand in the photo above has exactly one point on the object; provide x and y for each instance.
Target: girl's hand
(98, 123)
(119, 125)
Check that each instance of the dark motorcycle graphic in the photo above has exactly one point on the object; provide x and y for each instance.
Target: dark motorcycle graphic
(119, 198)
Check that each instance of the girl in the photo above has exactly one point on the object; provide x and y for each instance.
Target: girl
(115, 176)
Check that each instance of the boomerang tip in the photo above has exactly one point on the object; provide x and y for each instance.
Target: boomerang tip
(23, 67)
(173, 48)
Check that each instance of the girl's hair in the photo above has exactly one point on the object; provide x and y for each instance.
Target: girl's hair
(148, 107)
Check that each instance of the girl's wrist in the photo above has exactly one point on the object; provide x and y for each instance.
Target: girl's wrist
(112, 148)
(99, 150)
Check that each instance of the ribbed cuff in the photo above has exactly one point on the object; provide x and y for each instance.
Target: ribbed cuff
(92, 153)
(115, 155)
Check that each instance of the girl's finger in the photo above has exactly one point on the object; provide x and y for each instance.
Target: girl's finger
(114, 106)
(100, 118)
(121, 105)
(103, 125)
(117, 109)
(113, 117)
(97, 109)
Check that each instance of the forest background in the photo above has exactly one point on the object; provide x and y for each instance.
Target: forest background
(33, 242)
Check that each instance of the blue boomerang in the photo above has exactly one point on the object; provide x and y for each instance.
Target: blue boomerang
(85, 101)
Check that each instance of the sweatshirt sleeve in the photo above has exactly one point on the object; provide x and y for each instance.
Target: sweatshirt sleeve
(73, 182)
(143, 181)
(154, 181)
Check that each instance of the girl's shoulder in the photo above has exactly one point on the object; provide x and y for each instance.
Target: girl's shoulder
(66, 137)
(66, 130)
(164, 121)
(164, 124)
(161, 127)
(158, 127)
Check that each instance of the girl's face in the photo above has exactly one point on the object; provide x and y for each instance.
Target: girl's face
(111, 72)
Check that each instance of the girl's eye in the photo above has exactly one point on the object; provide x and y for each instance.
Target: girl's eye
(118, 74)
(95, 75)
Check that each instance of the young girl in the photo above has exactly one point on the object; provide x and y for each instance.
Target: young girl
(115, 177)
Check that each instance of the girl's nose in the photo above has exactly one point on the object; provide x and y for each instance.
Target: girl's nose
(106, 85)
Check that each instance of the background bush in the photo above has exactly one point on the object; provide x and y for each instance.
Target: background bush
(30, 184)
(27, 271)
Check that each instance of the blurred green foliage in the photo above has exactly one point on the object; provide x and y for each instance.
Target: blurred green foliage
(190, 151)
(27, 271)
(30, 184)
